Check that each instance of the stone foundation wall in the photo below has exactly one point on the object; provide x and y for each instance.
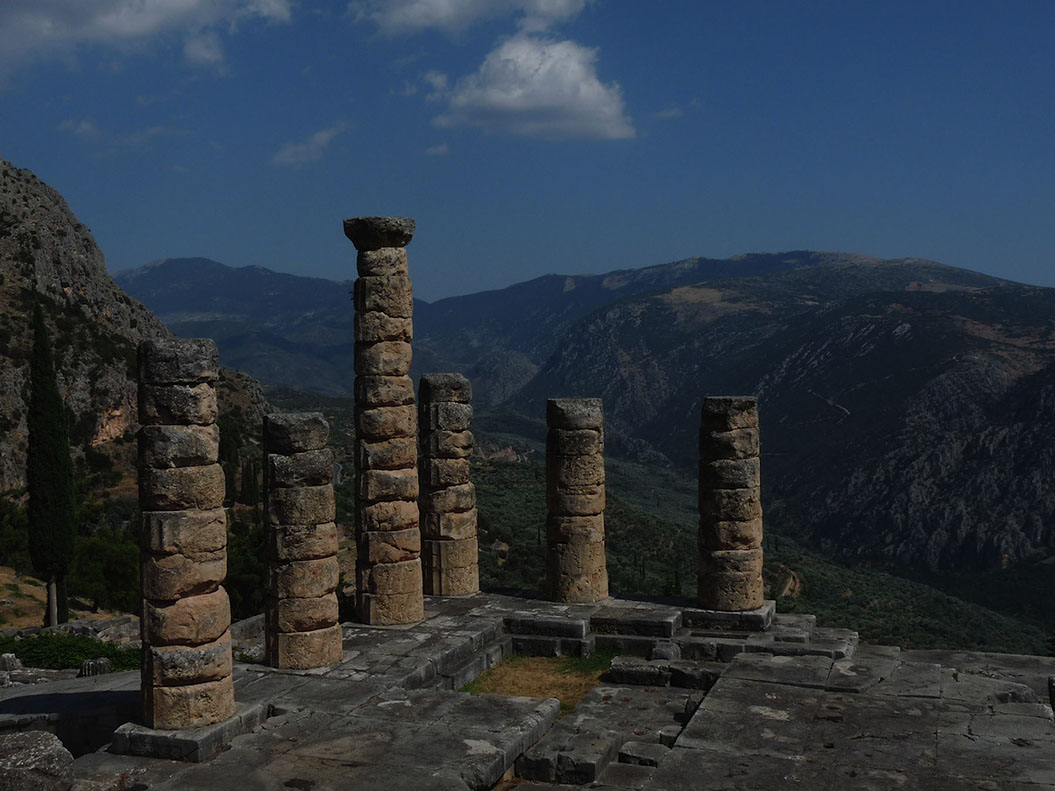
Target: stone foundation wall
(388, 566)
(730, 537)
(186, 674)
(301, 624)
(448, 497)
(576, 570)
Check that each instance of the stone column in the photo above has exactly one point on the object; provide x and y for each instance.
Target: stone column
(730, 538)
(575, 564)
(448, 498)
(388, 569)
(300, 627)
(186, 675)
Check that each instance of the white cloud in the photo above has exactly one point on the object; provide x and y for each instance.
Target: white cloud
(413, 16)
(438, 151)
(311, 150)
(437, 81)
(47, 29)
(140, 138)
(85, 130)
(670, 112)
(539, 87)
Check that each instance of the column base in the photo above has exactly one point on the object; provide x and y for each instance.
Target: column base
(193, 745)
(757, 620)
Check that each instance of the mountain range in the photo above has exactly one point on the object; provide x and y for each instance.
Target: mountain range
(906, 405)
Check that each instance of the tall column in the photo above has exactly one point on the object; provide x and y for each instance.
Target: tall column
(186, 673)
(388, 569)
(300, 626)
(448, 498)
(730, 538)
(575, 564)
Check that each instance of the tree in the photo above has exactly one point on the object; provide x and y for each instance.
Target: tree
(49, 475)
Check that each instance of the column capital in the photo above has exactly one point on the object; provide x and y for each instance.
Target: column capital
(373, 233)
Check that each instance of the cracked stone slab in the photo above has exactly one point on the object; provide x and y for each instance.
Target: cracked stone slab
(798, 671)
(868, 666)
(912, 679)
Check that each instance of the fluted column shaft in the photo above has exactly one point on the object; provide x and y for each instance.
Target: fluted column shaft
(187, 664)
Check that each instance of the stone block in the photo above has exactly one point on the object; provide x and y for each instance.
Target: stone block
(439, 581)
(380, 609)
(375, 233)
(100, 666)
(733, 591)
(582, 442)
(642, 753)
(574, 529)
(182, 405)
(176, 665)
(453, 498)
(393, 515)
(741, 443)
(439, 473)
(181, 488)
(730, 505)
(304, 650)
(302, 542)
(449, 444)
(730, 474)
(376, 391)
(378, 485)
(547, 626)
(178, 446)
(570, 471)
(574, 413)
(452, 526)
(730, 535)
(295, 432)
(302, 615)
(575, 559)
(391, 454)
(309, 468)
(170, 577)
(195, 745)
(445, 416)
(188, 706)
(741, 561)
(172, 360)
(376, 327)
(34, 761)
(383, 262)
(304, 579)
(192, 620)
(575, 501)
(389, 546)
(389, 295)
(190, 532)
(450, 554)
(385, 358)
(727, 413)
(576, 573)
(688, 674)
(390, 578)
(446, 387)
(302, 505)
(387, 422)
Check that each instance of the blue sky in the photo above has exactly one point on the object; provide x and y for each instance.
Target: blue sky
(535, 136)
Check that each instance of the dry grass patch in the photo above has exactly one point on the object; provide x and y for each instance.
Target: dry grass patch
(566, 678)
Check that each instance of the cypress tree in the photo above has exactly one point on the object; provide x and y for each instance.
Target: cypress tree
(49, 474)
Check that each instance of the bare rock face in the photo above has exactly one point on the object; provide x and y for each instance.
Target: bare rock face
(34, 761)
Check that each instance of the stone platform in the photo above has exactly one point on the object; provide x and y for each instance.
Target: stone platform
(690, 703)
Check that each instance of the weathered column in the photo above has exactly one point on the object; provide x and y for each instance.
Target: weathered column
(388, 569)
(448, 498)
(575, 564)
(300, 627)
(186, 675)
(730, 539)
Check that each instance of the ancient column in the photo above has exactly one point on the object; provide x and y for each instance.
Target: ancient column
(186, 675)
(449, 558)
(300, 626)
(575, 564)
(388, 569)
(730, 538)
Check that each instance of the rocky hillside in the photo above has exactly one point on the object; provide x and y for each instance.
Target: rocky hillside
(907, 405)
(46, 255)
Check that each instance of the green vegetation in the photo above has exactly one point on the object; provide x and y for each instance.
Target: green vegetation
(60, 651)
(49, 475)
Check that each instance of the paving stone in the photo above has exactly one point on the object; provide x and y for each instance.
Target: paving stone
(615, 620)
(644, 753)
(549, 626)
(801, 671)
(194, 745)
(624, 775)
(912, 679)
(725, 770)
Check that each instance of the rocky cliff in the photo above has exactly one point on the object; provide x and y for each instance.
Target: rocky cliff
(47, 255)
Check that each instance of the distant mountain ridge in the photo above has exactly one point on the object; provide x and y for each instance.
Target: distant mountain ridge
(906, 404)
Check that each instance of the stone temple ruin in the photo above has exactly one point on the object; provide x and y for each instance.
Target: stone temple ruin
(717, 693)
